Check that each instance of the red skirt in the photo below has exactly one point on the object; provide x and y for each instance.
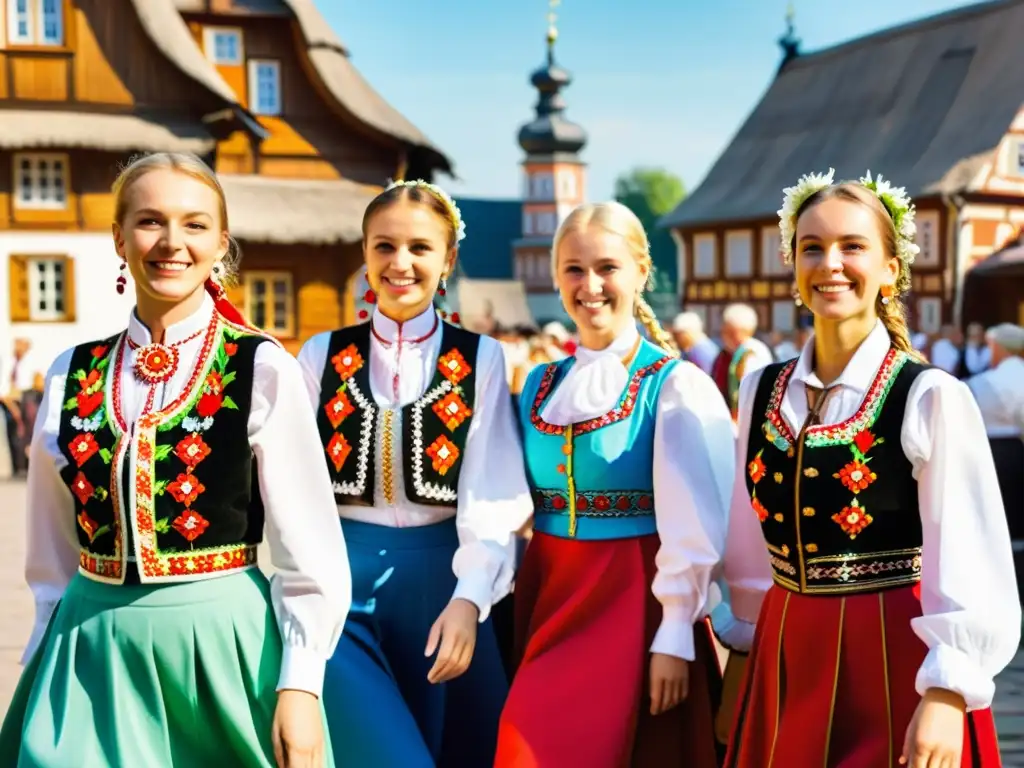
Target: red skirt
(585, 620)
(830, 682)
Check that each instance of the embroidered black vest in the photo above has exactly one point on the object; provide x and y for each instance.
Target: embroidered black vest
(837, 504)
(179, 490)
(434, 428)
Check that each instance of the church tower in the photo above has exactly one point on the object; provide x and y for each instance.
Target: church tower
(554, 179)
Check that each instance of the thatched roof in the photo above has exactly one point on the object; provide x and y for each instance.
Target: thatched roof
(331, 60)
(34, 128)
(925, 104)
(320, 212)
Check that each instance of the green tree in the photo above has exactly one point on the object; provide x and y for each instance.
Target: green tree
(651, 193)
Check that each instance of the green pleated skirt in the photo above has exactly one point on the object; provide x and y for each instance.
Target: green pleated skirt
(162, 676)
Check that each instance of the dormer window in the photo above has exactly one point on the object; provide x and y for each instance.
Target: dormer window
(35, 22)
(223, 46)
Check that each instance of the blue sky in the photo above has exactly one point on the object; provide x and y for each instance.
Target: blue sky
(661, 83)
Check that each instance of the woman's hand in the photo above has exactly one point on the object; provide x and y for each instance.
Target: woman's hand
(670, 682)
(298, 733)
(935, 737)
(455, 630)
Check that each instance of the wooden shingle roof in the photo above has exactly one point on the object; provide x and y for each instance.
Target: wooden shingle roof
(925, 104)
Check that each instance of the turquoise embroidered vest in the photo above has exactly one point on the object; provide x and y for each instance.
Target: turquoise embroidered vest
(595, 480)
(179, 489)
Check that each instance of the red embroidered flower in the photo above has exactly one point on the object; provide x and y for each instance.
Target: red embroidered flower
(209, 404)
(214, 383)
(83, 447)
(143, 486)
(559, 502)
(99, 351)
(192, 450)
(82, 488)
(87, 524)
(759, 509)
(444, 455)
(87, 381)
(338, 408)
(190, 524)
(856, 476)
(453, 366)
(347, 362)
(452, 410)
(186, 488)
(581, 503)
(864, 441)
(145, 451)
(756, 468)
(853, 519)
(338, 450)
(230, 348)
(602, 503)
(87, 404)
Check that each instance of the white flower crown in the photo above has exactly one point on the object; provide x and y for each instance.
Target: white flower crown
(895, 199)
(444, 197)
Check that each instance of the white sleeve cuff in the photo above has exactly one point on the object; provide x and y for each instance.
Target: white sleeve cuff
(302, 669)
(675, 636)
(953, 670)
(475, 587)
(733, 633)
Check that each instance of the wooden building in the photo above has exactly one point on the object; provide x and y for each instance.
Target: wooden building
(936, 106)
(263, 90)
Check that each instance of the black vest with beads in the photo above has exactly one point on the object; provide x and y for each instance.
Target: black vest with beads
(434, 427)
(837, 503)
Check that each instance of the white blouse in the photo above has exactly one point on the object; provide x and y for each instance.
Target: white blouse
(693, 470)
(999, 393)
(494, 498)
(971, 621)
(311, 587)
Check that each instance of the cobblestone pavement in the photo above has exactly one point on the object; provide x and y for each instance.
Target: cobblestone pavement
(17, 613)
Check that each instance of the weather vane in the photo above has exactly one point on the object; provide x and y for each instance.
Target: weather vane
(553, 20)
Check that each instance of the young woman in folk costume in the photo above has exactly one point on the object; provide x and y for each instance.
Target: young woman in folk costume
(630, 456)
(868, 480)
(159, 455)
(419, 436)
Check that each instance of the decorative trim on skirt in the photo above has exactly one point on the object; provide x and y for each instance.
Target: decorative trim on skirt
(585, 621)
(830, 683)
(170, 675)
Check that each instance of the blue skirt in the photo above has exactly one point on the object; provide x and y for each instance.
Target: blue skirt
(381, 710)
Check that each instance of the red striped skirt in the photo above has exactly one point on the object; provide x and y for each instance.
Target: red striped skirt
(585, 620)
(830, 682)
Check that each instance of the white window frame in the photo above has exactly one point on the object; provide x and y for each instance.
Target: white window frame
(771, 253)
(268, 278)
(210, 35)
(254, 87)
(711, 269)
(928, 306)
(738, 264)
(928, 257)
(49, 265)
(35, 22)
(35, 202)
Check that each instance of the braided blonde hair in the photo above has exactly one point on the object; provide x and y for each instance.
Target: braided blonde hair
(619, 220)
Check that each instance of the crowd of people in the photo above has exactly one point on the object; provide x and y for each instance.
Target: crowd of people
(831, 514)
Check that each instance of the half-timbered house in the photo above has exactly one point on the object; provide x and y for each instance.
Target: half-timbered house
(936, 106)
(263, 90)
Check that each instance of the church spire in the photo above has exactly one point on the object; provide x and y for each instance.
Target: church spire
(789, 42)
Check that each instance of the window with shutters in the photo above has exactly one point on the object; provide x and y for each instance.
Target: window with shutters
(927, 239)
(35, 22)
(41, 181)
(42, 288)
(270, 302)
(738, 254)
(265, 87)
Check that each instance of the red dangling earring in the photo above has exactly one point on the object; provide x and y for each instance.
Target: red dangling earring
(369, 298)
(122, 281)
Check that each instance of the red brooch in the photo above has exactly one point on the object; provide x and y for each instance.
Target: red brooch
(155, 363)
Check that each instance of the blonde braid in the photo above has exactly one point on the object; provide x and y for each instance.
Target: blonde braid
(894, 317)
(642, 311)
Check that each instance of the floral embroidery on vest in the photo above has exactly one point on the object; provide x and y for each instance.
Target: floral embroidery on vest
(346, 363)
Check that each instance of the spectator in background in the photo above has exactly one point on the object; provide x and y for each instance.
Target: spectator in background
(945, 352)
(556, 341)
(783, 347)
(999, 393)
(694, 344)
(747, 353)
(976, 356)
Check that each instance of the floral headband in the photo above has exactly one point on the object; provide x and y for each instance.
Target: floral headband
(444, 197)
(895, 199)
